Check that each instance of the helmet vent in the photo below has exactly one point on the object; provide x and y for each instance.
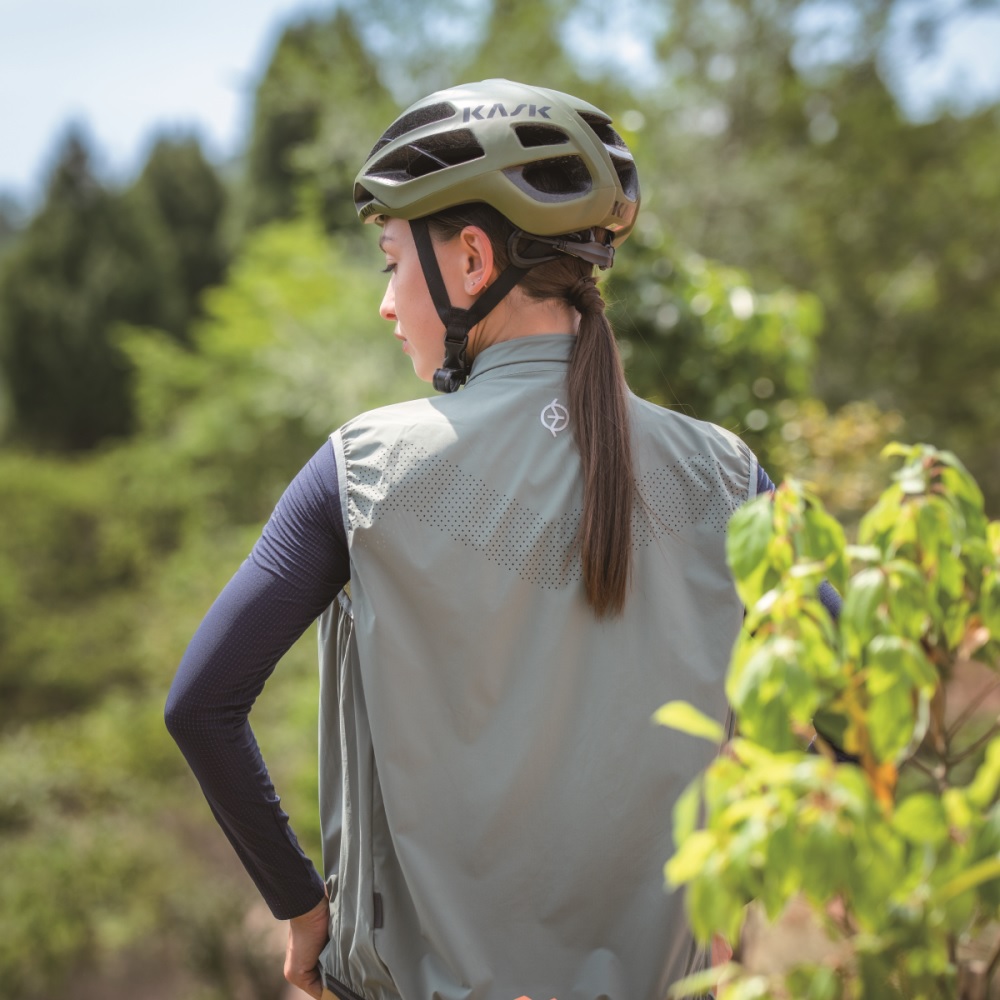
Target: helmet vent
(627, 176)
(603, 130)
(427, 156)
(554, 179)
(362, 197)
(540, 135)
(414, 120)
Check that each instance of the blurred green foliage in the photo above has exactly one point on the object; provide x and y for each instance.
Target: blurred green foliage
(174, 351)
(695, 335)
(108, 563)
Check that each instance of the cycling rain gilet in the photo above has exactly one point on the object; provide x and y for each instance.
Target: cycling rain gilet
(496, 802)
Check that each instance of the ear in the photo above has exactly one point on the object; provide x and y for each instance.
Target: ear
(477, 260)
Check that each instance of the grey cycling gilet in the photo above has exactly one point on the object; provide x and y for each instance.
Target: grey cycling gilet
(496, 803)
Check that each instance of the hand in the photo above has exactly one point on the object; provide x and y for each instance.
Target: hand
(721, 954)
(307, 937)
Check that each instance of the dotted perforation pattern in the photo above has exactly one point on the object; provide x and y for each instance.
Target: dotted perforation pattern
(695, 490)
(406, 478)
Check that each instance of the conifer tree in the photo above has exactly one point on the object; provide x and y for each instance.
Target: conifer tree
(86, 262)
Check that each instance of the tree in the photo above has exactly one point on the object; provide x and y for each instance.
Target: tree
(93, 258)
(181, 190)
(85, 262)
(896, 854)
(317, 111)
(782, 150)
(11, 221)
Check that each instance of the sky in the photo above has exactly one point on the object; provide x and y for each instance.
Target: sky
(128, 70)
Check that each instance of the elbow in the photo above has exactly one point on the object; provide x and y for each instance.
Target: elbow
(172, 715)
(179, 715)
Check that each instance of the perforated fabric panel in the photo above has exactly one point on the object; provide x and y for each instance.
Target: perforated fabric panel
(406, 478)
(694, 490)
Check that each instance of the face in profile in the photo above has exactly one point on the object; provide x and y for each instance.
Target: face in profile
(407, 301)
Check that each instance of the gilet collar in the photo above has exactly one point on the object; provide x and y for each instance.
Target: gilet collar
(545, 352)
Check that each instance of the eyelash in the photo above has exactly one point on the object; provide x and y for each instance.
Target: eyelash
(389, 268)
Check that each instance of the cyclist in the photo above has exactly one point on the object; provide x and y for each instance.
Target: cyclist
(535, 563)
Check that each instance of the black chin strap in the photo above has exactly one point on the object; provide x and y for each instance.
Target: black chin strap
(457, 322)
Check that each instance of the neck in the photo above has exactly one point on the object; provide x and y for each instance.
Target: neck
(518, 316)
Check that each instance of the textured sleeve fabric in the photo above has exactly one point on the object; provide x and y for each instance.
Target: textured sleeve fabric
(295, 570)
(764, 484)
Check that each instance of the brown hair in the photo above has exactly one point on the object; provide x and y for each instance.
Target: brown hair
(598, 406)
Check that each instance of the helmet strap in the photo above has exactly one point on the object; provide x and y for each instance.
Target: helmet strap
(457, 322)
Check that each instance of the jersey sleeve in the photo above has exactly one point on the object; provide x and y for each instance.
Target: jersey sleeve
(764, 484)
(296, 568)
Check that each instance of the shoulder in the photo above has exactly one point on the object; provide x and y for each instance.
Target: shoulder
(423, 423)
(411, 413)
(653, 419)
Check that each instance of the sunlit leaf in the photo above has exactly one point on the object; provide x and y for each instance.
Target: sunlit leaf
(686, 718)
(686, 811)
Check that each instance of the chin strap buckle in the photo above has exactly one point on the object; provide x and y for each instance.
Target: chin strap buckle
(449, 379)
(451, 376)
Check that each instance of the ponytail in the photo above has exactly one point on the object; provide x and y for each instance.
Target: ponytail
(599, 413)
(598, 406)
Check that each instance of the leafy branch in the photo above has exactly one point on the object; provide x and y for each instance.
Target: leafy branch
(900, 877)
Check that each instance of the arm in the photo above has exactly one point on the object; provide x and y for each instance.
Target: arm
(296, 568)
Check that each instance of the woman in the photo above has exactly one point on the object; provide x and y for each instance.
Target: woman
(536, 563)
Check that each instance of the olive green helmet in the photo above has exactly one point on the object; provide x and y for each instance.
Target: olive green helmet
(551, 163)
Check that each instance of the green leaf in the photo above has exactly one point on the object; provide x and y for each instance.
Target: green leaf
(686, 718)
(823, 541)
(891, 720)
(950, 573)
(985, 784)
(750, 530)
(901, 659)
(921, 819)
(700, 983)
(686, 812)
(896, 449)
(972, 877)
(864, 553)
(689, 859)
(769, 689)
(812, 982)
(865, 593)
(960, 484)
(934, 530)
(713, 908)
(908, 598)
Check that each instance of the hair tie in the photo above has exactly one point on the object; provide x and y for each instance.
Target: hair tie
(585, 296)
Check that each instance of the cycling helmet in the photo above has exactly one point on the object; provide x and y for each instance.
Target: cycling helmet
(551, 163)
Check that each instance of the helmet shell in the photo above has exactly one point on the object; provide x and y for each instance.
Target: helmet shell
(551, 163)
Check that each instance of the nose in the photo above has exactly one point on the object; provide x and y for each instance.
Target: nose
(387, 310)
